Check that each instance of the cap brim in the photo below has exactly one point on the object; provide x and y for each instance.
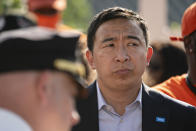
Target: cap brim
(174, 38)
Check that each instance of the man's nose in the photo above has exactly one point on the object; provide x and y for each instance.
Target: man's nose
(122, 55)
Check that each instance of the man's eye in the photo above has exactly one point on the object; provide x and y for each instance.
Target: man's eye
(109, 45)
(132, 44)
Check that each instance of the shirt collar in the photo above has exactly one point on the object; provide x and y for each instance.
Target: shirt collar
(102, 102)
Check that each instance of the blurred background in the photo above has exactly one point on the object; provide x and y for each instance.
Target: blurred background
(163, 16)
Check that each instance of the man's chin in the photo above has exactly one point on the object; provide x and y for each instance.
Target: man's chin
(124, 82)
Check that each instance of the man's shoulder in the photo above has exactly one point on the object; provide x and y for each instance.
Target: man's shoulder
(88, 110)
(180, 115)
(165, 100)
(91, 95)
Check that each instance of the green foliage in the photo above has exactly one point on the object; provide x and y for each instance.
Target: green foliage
(1, 6)
(175, 25)
(16, 4)
(77, 14)
(7, 6)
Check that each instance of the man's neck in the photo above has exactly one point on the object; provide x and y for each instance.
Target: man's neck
(119, 99)
(49, 21)
(192, 77)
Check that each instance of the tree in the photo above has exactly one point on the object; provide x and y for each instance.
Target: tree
(14, 6)
(78, 14)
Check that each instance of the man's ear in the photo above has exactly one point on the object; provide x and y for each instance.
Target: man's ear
(89, 56)
(42, 89)
(189, 46)
(149, 54)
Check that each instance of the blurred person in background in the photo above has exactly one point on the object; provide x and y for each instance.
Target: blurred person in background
(167, 60)
(40, 75)
(48, 14)
(184, 87)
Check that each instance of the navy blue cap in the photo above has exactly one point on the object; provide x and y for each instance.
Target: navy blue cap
(11, 22)
(39, 48)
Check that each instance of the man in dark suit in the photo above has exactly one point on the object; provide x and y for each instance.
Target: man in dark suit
(118, 100)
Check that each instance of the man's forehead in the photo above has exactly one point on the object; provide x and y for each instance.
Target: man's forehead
(117, 22)
(118, 26)
(125, 33)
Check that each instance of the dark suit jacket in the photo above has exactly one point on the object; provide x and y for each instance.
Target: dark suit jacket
(159, 112)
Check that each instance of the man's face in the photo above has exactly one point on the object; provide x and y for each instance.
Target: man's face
(64, 91)
(120, 53)
(190, 44)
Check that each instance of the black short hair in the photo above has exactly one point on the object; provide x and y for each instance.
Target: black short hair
(114, 13)
(173, 60)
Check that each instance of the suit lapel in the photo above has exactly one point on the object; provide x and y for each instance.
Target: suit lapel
(155, 116)
(88, 110)
(93, 108)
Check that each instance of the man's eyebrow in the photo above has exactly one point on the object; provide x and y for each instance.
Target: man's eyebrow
(107, 39)
(133, 37)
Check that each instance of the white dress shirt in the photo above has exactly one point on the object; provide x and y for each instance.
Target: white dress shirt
(9, 121)
(109, 120)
